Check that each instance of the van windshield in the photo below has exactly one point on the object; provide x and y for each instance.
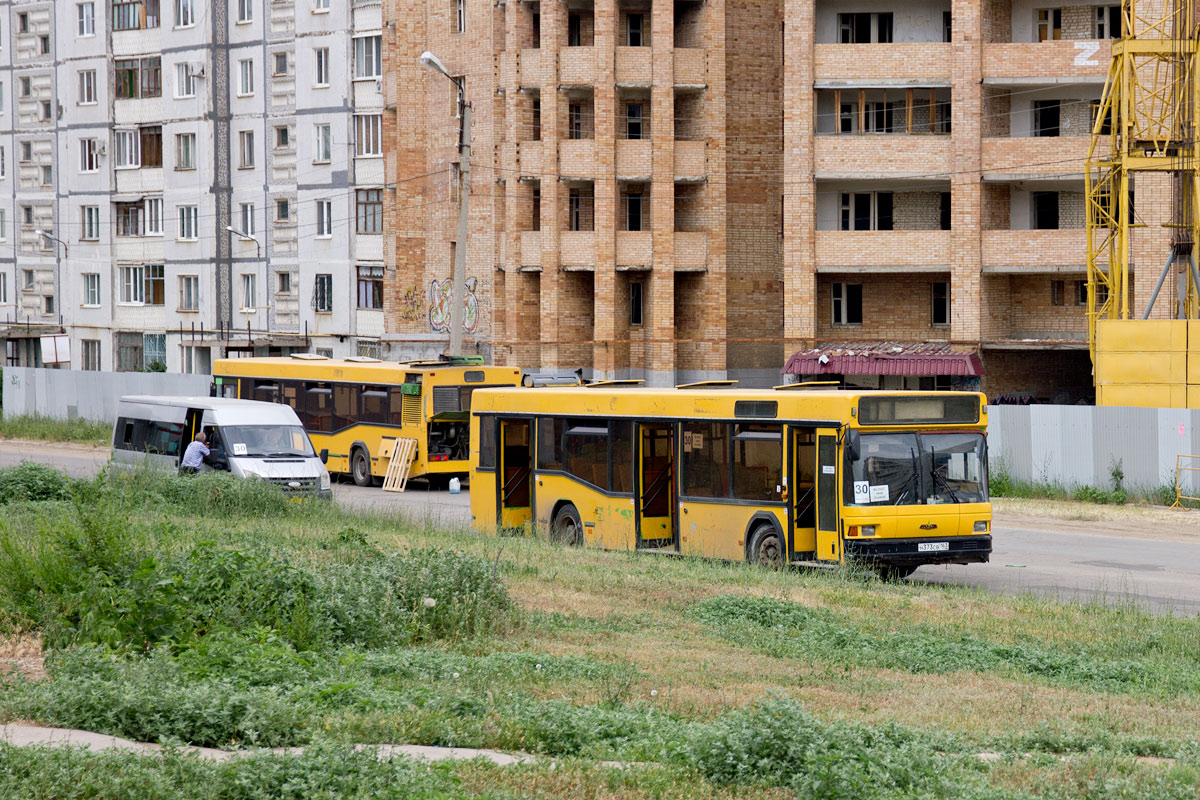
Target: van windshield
(264, 441)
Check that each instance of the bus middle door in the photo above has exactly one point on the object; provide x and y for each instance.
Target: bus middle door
(828, 540)
(515, 471)
(656, 485)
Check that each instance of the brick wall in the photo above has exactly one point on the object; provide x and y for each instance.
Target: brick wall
(917, 211)
(1033, 313)
(894, 307)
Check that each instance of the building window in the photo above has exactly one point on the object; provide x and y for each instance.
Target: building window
(129, 15)
(1046, 115)
(127, 149)
(91, 289)
(139, 77)
(370, 210)
(574, 121)
(323, 294)
(23, 22)
(44, 45)
(283, 283)
(1048, 24)
(368, 137)
(27, 282)
(634, 203)
(189, 293)
(944, 209)
(27, 215)
(866, 211)
(1108, 22)
(580, 208)
(3, 288)
(154, 221)
(185, 13)
(189, 223)
(281, 64)
(47, 175)
(947, 26)
(87, 87)
(283, 137)
(90, 223)
(185, 151)
(1057, 293)
(324, 218)
(370, 287)
(865, 28)
(26, 152)
(283, 210)
(633, 121)
(635, 24)
(941, 303)
(368, 56)
(185, 82)
(245, 77)
(130, 218)
(154, 346)
(155, 294)
(324, 144)
(1105, 121)
(537, 120)
(90, 354)
(245, 11)
(249, 292)
(635, 303)
(246, 149)
(847, 304)
(320, 6)
(150, 145)
(1045, 210)
(47, 111)
(247, 211)
(25, 88)
(321, 72)
(89, 155)
(133, 285)
(85, 15)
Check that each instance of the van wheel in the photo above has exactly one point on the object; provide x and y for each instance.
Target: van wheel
(567, 528)
(360, 468)
(766, 548)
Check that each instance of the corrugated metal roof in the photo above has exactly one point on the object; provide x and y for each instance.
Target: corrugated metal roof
(884, 358)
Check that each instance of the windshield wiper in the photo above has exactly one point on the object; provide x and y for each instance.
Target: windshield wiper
(933, 470)
(915, 479)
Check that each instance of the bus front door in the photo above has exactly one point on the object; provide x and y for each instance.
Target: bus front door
(828, 541)
(656, 485)
(803, 493)
(515, 471)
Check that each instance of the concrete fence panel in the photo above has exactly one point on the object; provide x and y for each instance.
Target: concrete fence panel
(68, 394)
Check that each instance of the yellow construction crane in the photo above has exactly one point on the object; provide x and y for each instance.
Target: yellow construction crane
(1146, 123)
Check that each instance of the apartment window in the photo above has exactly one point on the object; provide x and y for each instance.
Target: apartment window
(1046, 116)
(460, 16)
(3, 230)
(26, 152)
(1108, 22)
(47, 174)
(368, 57)
(580, 206)
(866, 211)
(535, 26)
(91, 288)
(944, 209)
(26, 87)
(633, 121)
(90, 354)
(185, 82)
(85, 16)
(634, 24)
(89, 155)
(323, 294)
(1048, 24)
(634, 202)
(865, 28)
(940, 313)
(281, 64)
(23, 22)
(246, 148)
(27, 215)
(947, 26)
(127, 149)
(245, 77)
(370, 210)
(1057, 293)
(133, 285)
(320, 6)
(574, 30)
(249, 292)
(321, 66)
(635, 303)
(537, 120)
(48, 304)
(87, 87)
(1045, 210)
(370, 287)
(324, 144)
(130, 218)
(535, 211)
(247, 226)
(189, 293)
(283, 137)
(154, 216)
(185, 13)
(185, 151)
(44, 45)
(324, 218)
(1105, 122)
(574, 121)
(139, 77)
(154, 348)
(847, 303)
(90, 223)
(47, 110)
(1081, 293)
(245, 11)
(150, 144)
(283, 283)
(189, 223)
(283, 210)
(27, 282)
(128, 15)
(368, 134)
(3, 163)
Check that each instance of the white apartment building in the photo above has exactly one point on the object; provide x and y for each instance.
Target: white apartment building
(134, 134)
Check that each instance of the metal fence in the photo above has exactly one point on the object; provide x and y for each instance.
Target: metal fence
(1080, 445)
(70, 393)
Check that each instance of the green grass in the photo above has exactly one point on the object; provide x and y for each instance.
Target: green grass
(79, 431)
(212, 611)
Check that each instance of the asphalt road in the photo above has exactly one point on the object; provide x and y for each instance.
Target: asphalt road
(1164, 575)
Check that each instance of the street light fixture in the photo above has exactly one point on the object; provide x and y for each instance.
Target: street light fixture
(246, 236)
(48, 235)
(458, 277)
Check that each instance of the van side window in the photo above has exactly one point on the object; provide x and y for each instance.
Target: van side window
(133, 434)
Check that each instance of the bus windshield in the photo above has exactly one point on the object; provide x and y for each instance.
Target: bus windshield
(905, 469)
(264, 441)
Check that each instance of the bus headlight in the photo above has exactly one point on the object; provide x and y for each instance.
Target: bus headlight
(981, 526)
(868, 530)
(324, 480)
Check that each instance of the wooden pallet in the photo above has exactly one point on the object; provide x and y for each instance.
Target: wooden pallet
(400, 454)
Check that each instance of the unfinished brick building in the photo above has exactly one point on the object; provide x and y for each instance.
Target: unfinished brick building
(886, 192)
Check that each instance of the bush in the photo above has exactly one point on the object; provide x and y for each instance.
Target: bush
(33, 482)
(205, 494)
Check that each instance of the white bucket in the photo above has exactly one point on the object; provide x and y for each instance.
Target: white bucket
(455, 486)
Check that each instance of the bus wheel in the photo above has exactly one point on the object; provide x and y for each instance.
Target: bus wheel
(567, 528)
(893, 572)
(766, 549)
(360, 468)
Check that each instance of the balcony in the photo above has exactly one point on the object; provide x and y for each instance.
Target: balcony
(881, 251)
(529, 156)
(531, 249)
(634, 66)
(635, 249)
(577, 158)
(634, 159)
(865, 155)
(883, 64)
(577, 66)
(691, 251)
(1014, 252)
(1013, 63)
(577, 249)
(1007, 158)
(689, 161)
(532, 68)
(690, 67)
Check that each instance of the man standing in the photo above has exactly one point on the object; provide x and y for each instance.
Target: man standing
(194, 456)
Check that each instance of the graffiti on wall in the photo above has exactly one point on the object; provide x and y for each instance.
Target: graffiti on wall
(439, 306)
(412, 304)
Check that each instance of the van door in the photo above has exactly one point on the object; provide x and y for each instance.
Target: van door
(656, 485)
(828, 539)
(191, 426)
(515, 506)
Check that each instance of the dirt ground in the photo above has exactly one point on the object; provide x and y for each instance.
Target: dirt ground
(1067, 516)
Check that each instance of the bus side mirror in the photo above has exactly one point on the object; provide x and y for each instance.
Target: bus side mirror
(853, 445)
(324, 454)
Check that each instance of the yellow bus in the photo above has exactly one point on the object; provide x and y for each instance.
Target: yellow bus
(352, 407)
(787, 476)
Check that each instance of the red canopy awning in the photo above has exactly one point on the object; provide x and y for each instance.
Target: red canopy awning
(886, 359)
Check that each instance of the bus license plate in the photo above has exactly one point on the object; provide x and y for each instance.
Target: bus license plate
(932, 547)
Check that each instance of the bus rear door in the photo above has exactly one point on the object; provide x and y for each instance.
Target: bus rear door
(828, 539)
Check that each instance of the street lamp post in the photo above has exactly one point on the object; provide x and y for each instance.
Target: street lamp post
(458, 276)
(248, 237)
(57, 268)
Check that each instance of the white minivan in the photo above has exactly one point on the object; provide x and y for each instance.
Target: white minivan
(247, 438)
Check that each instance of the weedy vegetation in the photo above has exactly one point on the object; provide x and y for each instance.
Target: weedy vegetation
(48, 429)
